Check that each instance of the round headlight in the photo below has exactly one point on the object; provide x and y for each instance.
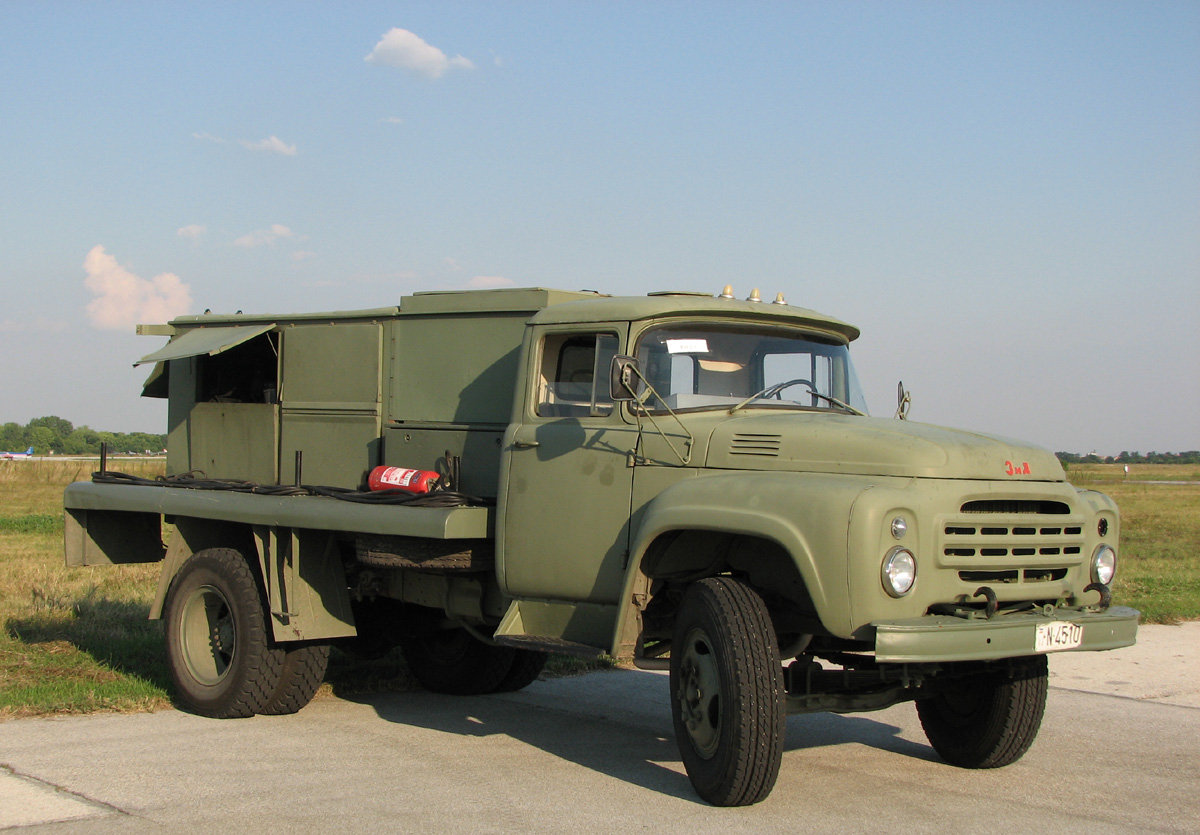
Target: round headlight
(1104, 565)
(899, 572)
(899, 527)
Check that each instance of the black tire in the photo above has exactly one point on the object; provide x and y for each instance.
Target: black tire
(301, 674)
(378, 622)
(454, 661)
(218, 651)
(727, 692)
(989, 719)
(526, 667)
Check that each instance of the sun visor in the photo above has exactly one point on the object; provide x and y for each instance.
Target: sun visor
(205, 341)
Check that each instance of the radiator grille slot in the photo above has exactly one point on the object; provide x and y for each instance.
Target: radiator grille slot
(1017, 506)
(1032, 575)
(989, 576)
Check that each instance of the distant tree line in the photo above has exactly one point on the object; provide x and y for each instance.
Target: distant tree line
(1191, 457)
(54, 435)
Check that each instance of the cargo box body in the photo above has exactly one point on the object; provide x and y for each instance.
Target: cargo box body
(251, 397)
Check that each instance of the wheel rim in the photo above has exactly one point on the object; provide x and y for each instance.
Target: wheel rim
(699, 693)
(207, 635)
(961, 705)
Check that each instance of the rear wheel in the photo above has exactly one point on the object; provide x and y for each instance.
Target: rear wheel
(526, 667)
(452, 660)
(301, 674)
(727, 693)
(989, 719)
(218, 652)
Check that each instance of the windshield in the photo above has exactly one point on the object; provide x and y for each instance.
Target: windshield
(712, 367)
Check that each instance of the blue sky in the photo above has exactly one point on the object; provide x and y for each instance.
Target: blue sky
(1005, 197)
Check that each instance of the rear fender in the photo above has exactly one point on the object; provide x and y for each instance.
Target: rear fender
(299, 572)
(190, 536)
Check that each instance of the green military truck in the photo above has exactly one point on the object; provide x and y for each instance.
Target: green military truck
(687, 480)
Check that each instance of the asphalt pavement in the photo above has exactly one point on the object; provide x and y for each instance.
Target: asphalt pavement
(1118, 752)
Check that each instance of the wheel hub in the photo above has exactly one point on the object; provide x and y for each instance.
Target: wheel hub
(699, 694)
(207, 635)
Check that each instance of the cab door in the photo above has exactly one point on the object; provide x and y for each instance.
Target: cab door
(566, 477)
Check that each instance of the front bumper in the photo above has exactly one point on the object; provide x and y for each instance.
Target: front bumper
(948, 638)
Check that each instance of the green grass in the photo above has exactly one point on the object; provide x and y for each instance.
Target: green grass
(1159, 569)
(75, 640)
(32, 523)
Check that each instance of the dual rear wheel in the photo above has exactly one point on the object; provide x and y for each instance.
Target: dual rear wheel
(446, 658)
(222, 661)
(225, 664)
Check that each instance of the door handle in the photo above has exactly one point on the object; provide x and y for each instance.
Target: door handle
(525, 444)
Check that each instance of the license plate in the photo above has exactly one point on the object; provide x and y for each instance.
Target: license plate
(1060, 635)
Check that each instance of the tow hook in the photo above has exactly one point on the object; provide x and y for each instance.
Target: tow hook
(992, 603)
(1105, 595)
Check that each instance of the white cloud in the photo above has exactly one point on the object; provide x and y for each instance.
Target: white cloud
(401, 48)
(301, 255)
(193, 232)
(123, 299)
(272, 144)
(490, 282)
(264, 237)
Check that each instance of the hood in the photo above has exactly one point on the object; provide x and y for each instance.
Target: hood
(833, 443)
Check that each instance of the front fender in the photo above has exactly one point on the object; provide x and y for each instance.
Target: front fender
(805, 514)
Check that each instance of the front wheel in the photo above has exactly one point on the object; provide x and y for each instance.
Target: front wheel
(218, 651)
(727, 693)
(987, 719)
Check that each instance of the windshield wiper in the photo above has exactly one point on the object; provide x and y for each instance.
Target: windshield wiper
(775, 389)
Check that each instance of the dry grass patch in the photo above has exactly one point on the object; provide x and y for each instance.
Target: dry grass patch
(73, 639)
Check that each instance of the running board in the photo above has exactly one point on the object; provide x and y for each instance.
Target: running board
(546, 643)
(582, 629)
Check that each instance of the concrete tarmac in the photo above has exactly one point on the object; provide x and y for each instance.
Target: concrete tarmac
(1118, 752)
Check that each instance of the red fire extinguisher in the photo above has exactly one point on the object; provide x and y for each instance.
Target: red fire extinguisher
(399, 478)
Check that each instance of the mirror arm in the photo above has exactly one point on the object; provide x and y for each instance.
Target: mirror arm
(639, 409)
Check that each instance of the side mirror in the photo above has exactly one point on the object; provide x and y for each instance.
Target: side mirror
(903, 401)
(623, 379)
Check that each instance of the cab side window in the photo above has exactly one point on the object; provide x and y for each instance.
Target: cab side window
(574, 375)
